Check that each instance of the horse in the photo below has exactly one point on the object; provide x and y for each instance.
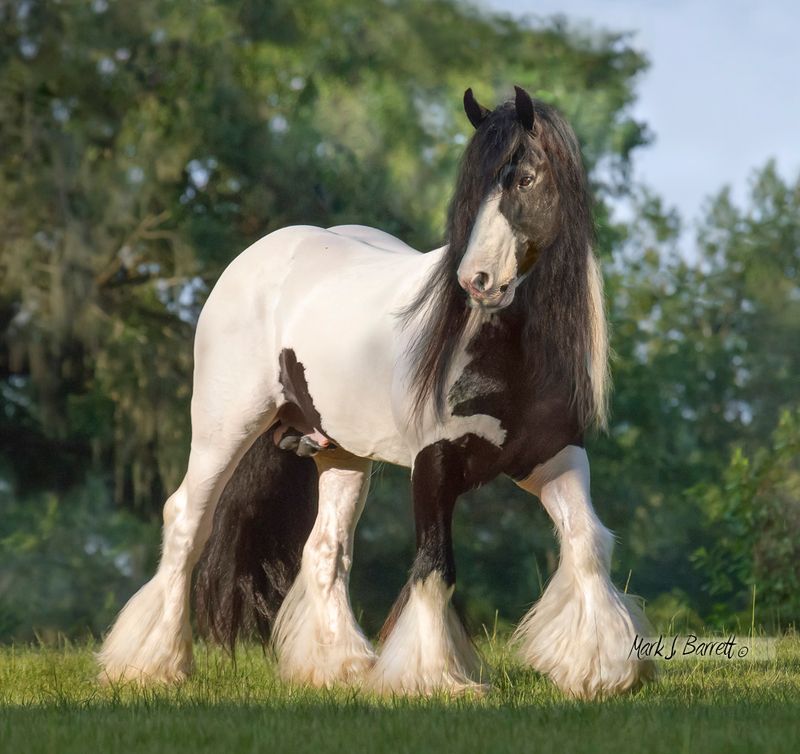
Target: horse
(321, 351)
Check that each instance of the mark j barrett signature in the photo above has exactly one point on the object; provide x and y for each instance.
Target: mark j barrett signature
(689, 646)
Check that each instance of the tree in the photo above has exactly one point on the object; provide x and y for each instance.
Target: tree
(754, 511)
(707, 357)
(145, 145)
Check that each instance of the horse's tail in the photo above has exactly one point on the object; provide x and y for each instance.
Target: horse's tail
(262, 521)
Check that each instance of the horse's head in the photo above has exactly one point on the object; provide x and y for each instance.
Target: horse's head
(509, 198)
(519, 228)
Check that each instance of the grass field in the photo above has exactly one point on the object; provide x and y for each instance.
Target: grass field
(49, 702)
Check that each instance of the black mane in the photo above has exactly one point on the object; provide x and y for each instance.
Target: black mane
(554, 300)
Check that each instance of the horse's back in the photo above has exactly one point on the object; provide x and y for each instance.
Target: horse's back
(378, 239)
(308, 256)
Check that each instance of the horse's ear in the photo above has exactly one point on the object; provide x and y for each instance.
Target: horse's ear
(524, 105)
(475, 112)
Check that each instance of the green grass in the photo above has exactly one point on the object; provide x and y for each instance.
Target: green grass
(49, 702)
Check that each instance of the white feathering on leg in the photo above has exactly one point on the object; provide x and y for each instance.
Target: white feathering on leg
(144, 645)
(428, 649)
(316, 636)
(311, 648)
(581, 631)
(151, 640)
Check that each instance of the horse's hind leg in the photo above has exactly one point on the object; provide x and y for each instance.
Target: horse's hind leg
(151, 639)
(316, 636)
(231, 406)
(582, 629)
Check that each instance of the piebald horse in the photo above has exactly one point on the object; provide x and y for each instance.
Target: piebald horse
(320, 351)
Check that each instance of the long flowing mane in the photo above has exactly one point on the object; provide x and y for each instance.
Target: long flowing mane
(561, 301)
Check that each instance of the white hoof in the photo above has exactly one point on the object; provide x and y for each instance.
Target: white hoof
(581, 636)
(144, 645)
(428, 650)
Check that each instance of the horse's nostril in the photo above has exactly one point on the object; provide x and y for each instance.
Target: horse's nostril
(503, 288)
(481, 281)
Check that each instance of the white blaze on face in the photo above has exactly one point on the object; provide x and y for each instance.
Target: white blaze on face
(492, 250)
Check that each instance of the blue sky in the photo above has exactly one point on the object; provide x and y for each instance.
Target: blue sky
(722, 94)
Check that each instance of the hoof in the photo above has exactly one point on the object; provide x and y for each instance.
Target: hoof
(142, 646)
(330, 669)
(156, 676)
(312, 649)
(428, 651)
(451, 685)
(582, 641)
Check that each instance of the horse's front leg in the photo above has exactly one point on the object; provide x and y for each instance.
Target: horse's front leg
(582, 629)
(425, 646)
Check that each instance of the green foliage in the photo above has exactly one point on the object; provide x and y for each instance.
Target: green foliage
(706, 357)
(145, 144)
(67, 561)
(755, 513)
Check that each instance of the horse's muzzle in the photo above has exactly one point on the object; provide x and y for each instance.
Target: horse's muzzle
(485, 296)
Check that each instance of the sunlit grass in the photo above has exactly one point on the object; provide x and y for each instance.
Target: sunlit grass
(50, 701)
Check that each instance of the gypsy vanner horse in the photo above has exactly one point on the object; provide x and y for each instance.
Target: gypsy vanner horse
(320, 351)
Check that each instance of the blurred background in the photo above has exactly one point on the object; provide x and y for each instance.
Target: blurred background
(144, 144)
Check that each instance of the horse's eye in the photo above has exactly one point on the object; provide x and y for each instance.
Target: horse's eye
(525, 181)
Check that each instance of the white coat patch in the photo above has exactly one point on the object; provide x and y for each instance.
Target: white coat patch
(492, 247)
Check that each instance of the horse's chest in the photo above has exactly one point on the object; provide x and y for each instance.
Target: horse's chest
(537, 418)
(490, 380)
(480, 391)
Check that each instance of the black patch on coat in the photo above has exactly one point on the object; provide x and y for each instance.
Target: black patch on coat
(442, 472)
(538, 415)
(299, 410)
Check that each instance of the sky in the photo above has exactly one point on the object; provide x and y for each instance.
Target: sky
(722, 94)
